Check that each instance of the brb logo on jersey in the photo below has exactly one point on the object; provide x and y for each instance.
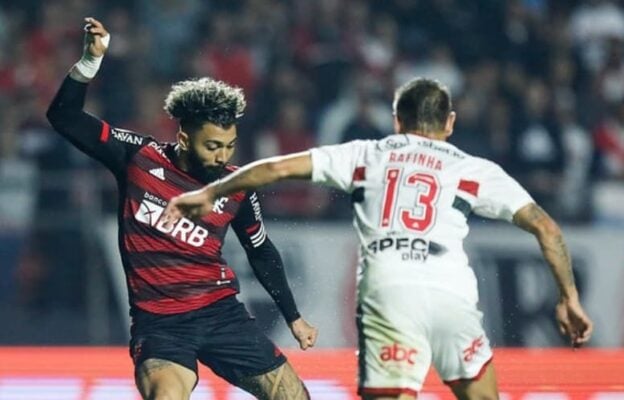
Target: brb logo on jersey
(150, 213)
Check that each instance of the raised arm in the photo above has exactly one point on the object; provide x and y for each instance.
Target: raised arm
(572, 319)
(85, 131)
(66, 112)
(254, 175)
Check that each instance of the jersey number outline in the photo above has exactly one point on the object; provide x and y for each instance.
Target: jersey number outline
(421, 216)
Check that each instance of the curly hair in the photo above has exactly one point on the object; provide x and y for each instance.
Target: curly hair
(195, 102)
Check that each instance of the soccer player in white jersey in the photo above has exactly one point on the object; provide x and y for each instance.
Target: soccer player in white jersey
(417, 295)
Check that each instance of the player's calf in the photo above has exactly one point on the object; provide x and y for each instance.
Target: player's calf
(280, 384)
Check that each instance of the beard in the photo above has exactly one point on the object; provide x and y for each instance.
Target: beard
(202, 173)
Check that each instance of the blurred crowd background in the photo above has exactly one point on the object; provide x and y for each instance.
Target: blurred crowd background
(538, 87)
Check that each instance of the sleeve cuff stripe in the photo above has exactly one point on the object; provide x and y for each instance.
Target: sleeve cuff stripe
(259, 241)
(253, 227)
(258, 234)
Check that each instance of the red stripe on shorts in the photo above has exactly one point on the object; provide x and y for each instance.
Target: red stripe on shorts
(474, 378)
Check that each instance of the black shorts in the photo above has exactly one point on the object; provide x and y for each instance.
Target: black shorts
(222, 336)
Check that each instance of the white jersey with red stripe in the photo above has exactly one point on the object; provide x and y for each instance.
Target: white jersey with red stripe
(411, 197)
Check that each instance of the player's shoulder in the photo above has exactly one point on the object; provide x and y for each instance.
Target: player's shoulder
(342, 147)
(152, 145)
(130, 137)
(469, 158)
(156, 151)
(485, 162)
(141, 144)
(483, 166)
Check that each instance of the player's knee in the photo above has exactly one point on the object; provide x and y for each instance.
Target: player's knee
(305, 394)
(298, 391)
(280, 384)
(170, 391)
(290, 388)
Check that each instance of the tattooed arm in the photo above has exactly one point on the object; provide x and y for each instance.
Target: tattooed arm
(532, 218)
(570, 314)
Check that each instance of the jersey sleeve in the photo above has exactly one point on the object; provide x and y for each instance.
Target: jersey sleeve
(263, 257)
(113, 147)
(499, 195)
(335, 165)
(248, 223)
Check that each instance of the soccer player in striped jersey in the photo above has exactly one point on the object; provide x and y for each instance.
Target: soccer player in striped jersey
(182, 292)
(412, 193)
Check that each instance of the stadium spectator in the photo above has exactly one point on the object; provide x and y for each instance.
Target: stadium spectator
(609, 141)
(537, 147)
(592, 25)
(290, 133)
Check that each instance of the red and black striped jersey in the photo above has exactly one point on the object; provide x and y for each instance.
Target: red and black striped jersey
(178, 269)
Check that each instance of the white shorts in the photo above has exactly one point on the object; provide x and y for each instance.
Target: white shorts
(404, 328)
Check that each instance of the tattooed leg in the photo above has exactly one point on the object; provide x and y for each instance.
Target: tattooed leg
(280, 384)
(159, 379)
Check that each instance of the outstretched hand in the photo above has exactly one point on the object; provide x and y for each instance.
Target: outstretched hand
(304, 333)
(191, 205)
(96, 37)
(574, 322)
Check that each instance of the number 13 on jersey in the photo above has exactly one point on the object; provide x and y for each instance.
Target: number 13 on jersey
(415, 213)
